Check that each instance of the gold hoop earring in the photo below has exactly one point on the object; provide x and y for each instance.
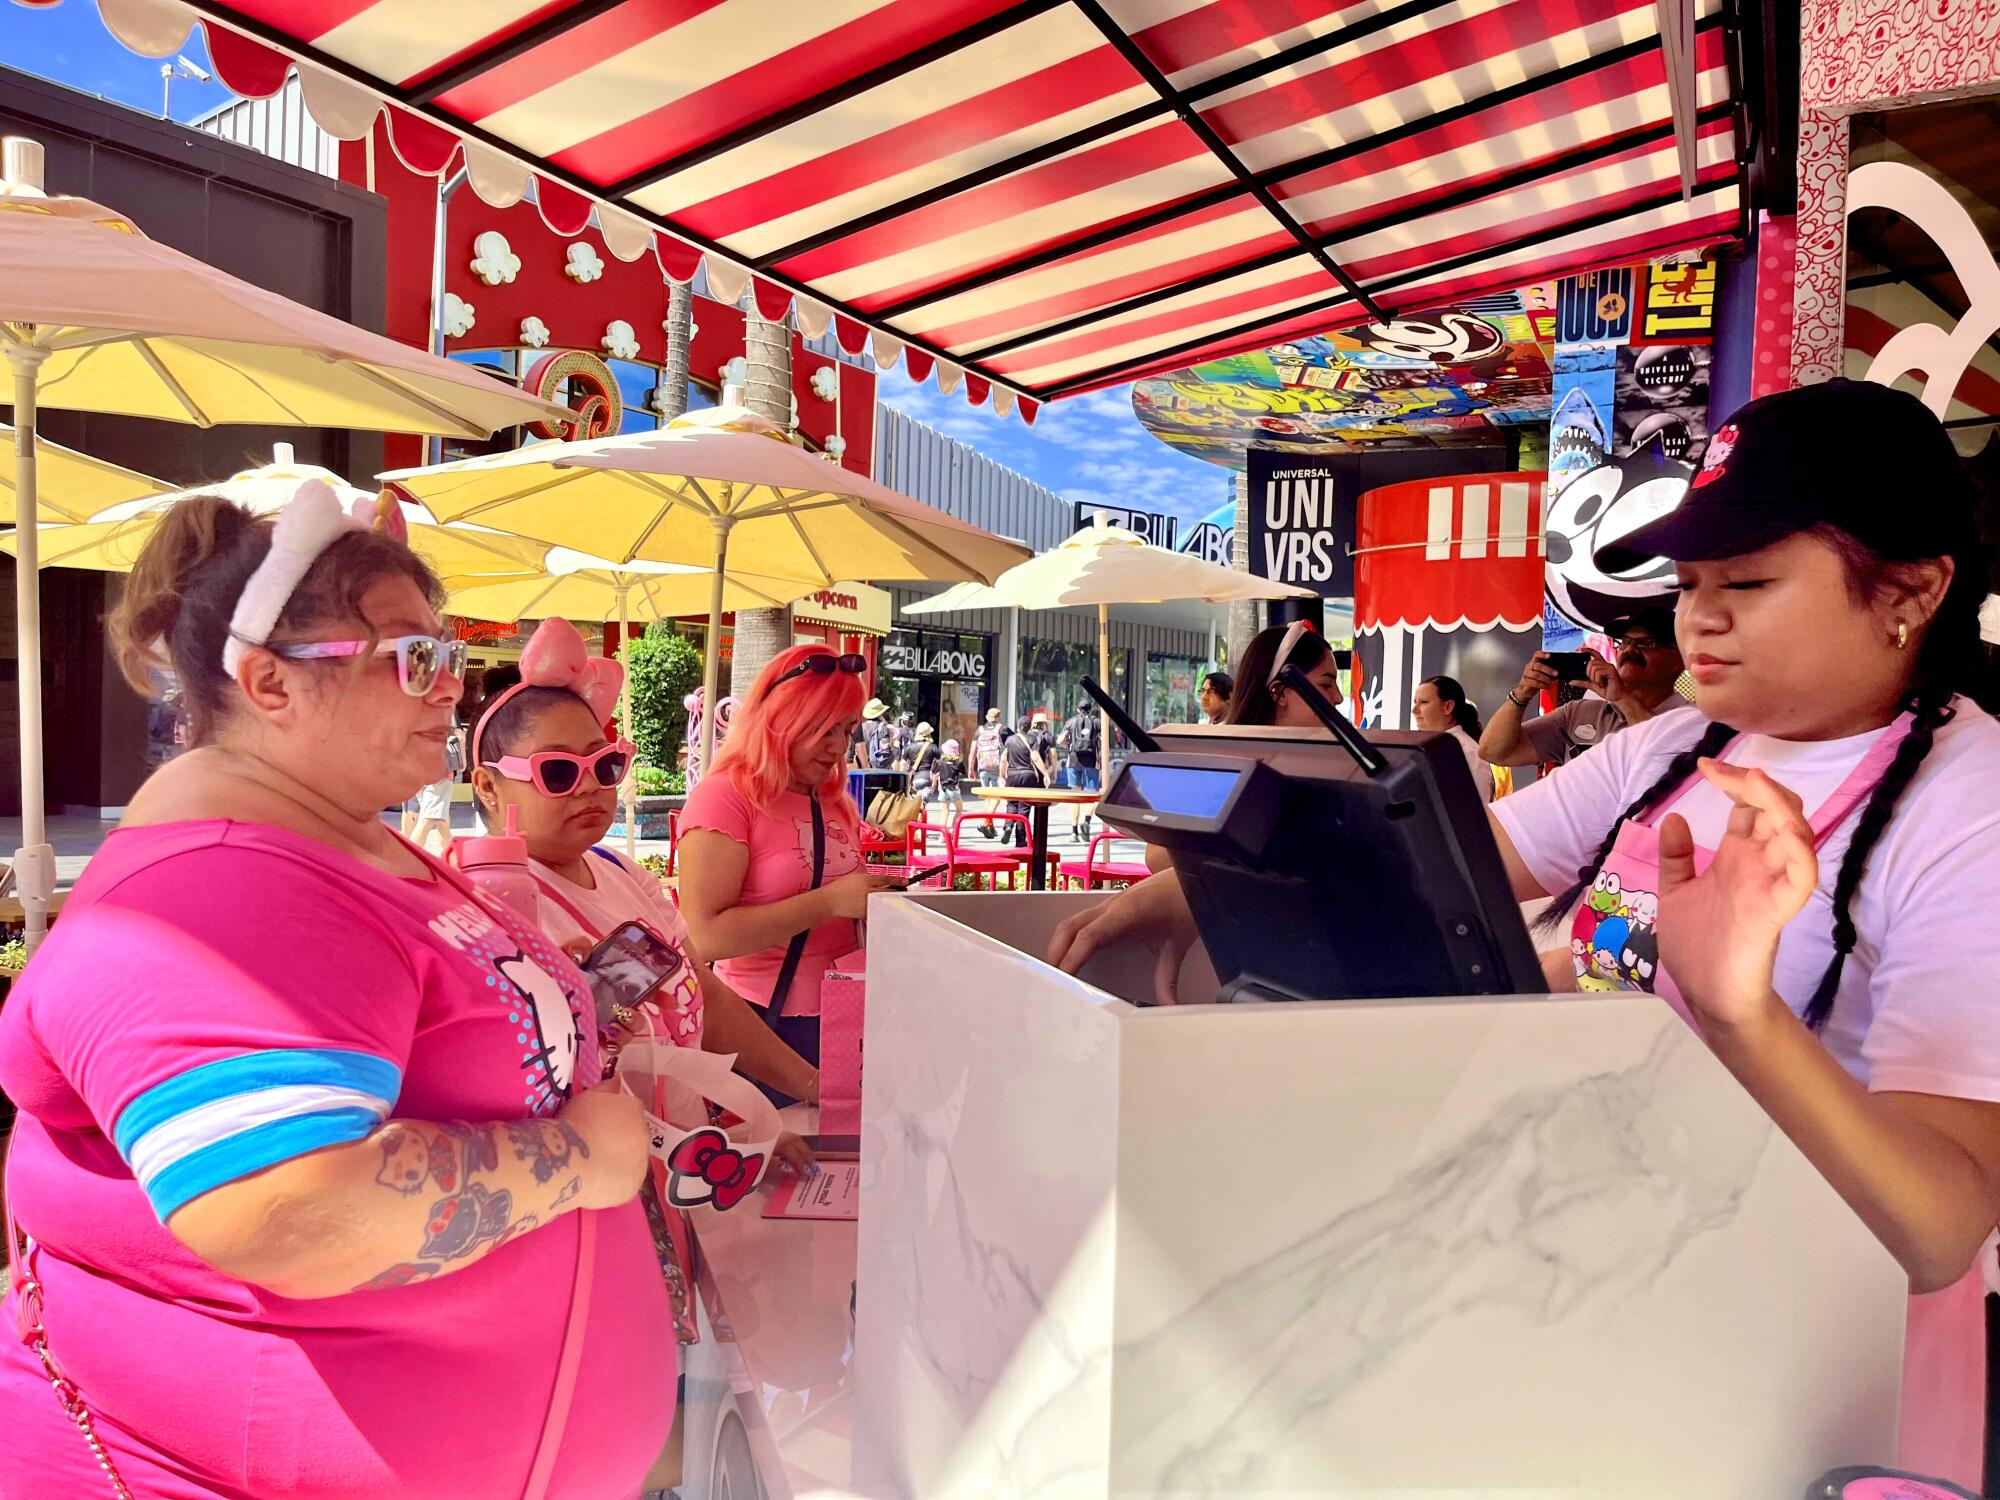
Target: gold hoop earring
(1902, 636)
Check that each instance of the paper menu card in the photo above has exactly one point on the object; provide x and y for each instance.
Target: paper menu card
(834, 1192)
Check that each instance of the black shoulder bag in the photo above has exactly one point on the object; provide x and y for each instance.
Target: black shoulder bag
(797, 949)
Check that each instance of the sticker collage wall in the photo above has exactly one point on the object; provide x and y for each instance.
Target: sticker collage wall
(1630, 407)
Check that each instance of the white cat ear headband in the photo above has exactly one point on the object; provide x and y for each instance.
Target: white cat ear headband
(312, 520)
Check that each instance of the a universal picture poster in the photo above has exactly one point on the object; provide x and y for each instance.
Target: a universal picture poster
(1663, 397)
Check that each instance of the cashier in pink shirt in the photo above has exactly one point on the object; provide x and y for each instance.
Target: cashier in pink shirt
(1805, 867)
(320, 1198)
(772, 883)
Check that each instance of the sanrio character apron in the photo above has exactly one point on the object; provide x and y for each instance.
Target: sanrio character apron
(1614, 946)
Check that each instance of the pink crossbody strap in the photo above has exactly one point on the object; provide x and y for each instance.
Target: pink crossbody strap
(569, 1362)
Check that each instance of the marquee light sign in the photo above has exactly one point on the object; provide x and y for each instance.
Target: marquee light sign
(585, 384)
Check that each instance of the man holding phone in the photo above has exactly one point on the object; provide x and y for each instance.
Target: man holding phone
(1639, 687)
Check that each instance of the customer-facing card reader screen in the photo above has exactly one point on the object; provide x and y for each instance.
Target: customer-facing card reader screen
(1186, 791)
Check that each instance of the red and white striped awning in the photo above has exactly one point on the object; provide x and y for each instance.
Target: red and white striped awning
(1046, 196)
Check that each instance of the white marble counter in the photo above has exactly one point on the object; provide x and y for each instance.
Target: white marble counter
(770, 1386)
(1534, 1246)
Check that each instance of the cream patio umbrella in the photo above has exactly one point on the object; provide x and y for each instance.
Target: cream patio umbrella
(112, 538)
(71, 486)
(572, 585)
(721, 489)
(94, 316)
(1105, 565)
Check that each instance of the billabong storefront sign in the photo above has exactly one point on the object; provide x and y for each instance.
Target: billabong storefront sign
(909, 653)
(1209, 542)
(1148, 526)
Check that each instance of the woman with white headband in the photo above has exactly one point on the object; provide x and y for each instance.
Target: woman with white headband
(319, 1197)
(1261, 699)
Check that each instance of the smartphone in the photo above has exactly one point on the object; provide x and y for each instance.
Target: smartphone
(1570, 666)
(920, 876)
(627, 967)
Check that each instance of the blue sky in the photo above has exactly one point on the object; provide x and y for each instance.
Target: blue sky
(1090, 448)
(68, 43)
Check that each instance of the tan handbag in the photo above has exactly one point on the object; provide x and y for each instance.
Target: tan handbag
(892, 812)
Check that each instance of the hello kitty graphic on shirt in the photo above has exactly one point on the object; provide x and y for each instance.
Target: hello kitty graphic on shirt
(842, 857)
(524, 975)
(554, 1038)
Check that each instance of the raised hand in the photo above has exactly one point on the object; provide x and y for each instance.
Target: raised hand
(1719, 930)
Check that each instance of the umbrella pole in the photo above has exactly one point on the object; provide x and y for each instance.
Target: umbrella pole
(711, 668)
(1103, 676)
(34, 861)
(625, 715)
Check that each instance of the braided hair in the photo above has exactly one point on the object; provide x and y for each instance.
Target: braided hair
(1952, 660)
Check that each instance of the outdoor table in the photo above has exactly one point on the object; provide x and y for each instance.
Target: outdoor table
(1039, 800)
(13, 914)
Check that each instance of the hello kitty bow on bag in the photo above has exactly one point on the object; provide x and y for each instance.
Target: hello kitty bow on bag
(704, 1165)
(556, 657)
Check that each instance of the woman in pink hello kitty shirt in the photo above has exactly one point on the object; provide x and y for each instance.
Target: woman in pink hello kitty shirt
(307, 1149)
(777, 793)
(543, 751)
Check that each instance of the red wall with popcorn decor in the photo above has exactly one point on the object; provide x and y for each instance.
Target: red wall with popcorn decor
(576, 311)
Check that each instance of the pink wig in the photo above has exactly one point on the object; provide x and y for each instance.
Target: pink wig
(768, 725)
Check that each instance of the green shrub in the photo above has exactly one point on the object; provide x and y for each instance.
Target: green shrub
(651, 781)
(665, 668)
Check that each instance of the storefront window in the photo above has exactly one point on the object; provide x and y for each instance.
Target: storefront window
(1172, 683)
(942, 677)
(1052, 673)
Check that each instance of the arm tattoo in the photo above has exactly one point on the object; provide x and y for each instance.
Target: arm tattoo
(469, 1216)
(405, 1160)
(546, 1145)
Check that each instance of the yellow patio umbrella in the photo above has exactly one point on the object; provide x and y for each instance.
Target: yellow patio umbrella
(94, 316)
(573, 585)
(111, 540)
(72, 486)
(723, 489)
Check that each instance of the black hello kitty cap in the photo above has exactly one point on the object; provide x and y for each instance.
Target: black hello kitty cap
(1866, 458)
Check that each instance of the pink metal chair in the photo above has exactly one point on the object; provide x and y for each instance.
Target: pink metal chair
(1090, 869)
(1020, 855)
(927, 844)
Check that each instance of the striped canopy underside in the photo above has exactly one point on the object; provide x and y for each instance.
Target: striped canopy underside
(1057, 195)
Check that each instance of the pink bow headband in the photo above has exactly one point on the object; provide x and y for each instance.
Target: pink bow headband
(556, 657)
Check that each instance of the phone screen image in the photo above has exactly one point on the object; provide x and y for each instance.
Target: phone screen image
(628, 966)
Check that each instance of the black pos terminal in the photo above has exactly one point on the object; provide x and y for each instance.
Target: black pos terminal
(1326, 865)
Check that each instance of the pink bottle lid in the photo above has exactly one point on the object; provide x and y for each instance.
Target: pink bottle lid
(483, 850)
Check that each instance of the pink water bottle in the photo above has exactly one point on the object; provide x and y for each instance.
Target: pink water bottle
(497, 863)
